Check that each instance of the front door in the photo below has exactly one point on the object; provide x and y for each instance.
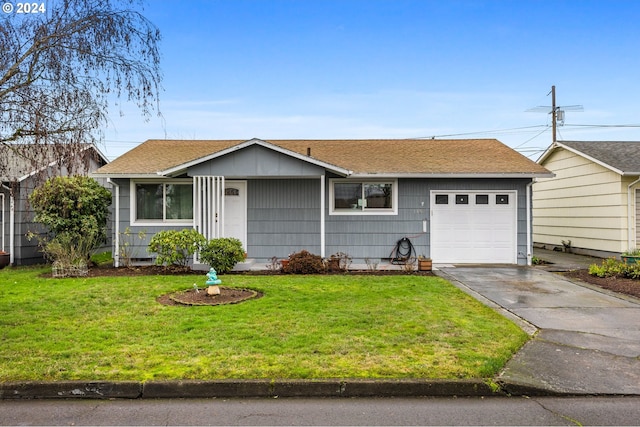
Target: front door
(235, 211)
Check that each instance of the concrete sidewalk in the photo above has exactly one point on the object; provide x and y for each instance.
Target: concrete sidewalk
(587, 342)
(563, 261)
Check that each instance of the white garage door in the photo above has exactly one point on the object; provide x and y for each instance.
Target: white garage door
(473, 227)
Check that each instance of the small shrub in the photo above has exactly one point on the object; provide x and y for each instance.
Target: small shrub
(633, 271)
(70, 252)
(222, 254)
(274, 265)
(175, 247)
(372, 265)
(610, 267)
(304, 262)
(127, 250)
(410, 265)
(339, 262)
(597, 270)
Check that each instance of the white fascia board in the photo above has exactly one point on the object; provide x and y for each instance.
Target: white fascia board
(50, 165)
(546, 153)
(55, 162)
(255, 141)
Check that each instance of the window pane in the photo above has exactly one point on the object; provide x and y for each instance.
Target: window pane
(502, 199)
(179, 201)
(482, 199)
(347, 195)
(462, 199)
(148, 201)
(442, 199)
(378, 196)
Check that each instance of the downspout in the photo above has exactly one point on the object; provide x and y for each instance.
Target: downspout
(529, 230)
(116, 231)
(322, 229)
(630, 239)
(12, 225)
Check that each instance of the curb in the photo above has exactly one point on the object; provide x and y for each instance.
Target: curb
(245, 388)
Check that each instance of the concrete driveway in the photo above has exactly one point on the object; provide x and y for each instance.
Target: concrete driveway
(584, 341)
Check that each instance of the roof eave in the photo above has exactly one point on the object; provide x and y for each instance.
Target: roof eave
(124, 175)
(454, 175)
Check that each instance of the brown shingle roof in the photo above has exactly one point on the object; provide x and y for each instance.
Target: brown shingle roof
(377, 156)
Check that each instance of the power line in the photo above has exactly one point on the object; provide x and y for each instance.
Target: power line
(482, 132)
(605, 126)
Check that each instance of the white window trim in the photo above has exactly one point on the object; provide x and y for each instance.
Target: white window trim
(370, 211)
(157, 222)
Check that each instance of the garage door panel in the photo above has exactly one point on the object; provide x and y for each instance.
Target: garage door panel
(481, 231)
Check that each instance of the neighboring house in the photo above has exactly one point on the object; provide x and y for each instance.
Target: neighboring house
(23, 168)
(592, 202)
(458, 201)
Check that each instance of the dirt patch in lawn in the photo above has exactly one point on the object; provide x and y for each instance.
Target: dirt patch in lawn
(193, 297)
(615, 284)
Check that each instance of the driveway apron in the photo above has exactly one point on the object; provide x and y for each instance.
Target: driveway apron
(587, 341)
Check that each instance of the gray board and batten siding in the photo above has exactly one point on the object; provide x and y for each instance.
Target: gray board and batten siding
(283, 216)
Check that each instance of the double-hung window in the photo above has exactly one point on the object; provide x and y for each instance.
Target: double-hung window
(160, 202)
(350, 197)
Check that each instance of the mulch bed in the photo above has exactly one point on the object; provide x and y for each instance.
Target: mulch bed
(191, 297)
(615, 284)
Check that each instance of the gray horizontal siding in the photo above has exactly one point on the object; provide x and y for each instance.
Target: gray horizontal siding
(375, 236)
(283, 216)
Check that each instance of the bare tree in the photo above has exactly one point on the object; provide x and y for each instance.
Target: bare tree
(61, 69)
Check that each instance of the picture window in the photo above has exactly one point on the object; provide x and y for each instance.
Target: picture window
(363, 197)
(163, 202)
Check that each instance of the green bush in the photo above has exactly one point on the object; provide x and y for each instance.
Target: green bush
(175, 247)
(633, 271)
(222, 254)
(611, 267)
(73, 204)
(304, 262)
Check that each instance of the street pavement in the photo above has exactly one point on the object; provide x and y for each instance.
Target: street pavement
(585, 341)
(505, 411)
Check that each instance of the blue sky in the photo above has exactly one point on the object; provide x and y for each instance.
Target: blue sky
(290, 69)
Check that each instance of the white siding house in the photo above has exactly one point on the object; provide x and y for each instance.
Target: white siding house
(591, 201)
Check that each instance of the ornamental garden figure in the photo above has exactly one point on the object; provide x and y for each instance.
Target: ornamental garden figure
(213, 282)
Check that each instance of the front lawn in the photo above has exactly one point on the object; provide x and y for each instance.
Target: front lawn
(329, 326)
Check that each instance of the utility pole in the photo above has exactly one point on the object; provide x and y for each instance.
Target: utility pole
(553, 114)
(557, 112)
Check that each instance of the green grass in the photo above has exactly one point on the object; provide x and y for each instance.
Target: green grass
(338, 326)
